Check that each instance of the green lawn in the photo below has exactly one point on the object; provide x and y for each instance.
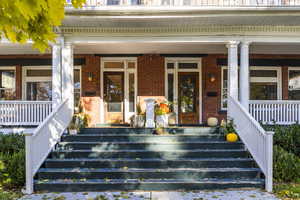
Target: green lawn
(287, 191)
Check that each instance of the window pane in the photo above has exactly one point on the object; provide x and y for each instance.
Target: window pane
(131, 65)
(113, 2)
(7, 85)
(131, 92)
(294, 84)
(187, 90)
(188, 65)
(171, 89)
(263, 73)
(113, 91)
(170, 65)
(114, 65)
(39, 72)
(39, 91)
(263, 91)
(224, 89)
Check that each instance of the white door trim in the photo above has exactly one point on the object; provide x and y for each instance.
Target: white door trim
(126, 71)
(175, 71)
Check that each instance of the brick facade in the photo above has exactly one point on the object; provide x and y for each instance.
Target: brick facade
(151, 75)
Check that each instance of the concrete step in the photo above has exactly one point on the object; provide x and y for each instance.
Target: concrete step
(149, 145)
(147, 173)
(136, 154)
(150, 163)
(93, 185)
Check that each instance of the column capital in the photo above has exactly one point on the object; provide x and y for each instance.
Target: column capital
(232, 44)
(245, 43)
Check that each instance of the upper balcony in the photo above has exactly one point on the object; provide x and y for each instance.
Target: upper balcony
(191, 3)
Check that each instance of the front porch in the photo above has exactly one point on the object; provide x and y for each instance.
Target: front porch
(270, 93)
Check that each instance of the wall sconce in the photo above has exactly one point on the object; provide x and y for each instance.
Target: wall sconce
(90, 76)
(211, 78)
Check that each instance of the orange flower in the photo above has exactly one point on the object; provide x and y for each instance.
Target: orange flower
(164, 107)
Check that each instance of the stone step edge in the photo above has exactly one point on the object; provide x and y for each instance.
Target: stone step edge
(152, 170)
(152, 151)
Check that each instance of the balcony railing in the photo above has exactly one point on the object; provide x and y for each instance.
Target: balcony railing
(199, 3)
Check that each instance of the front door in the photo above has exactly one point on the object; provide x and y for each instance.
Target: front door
(188, 97)
(114, 97)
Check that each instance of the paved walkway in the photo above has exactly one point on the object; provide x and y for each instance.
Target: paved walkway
(197, 195)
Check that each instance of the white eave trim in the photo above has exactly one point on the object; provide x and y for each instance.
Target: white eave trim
(179, 10)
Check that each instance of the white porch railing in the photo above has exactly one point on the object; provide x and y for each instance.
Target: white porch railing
(279, 112)
(258, 141)
(40, 143)
(15, 113)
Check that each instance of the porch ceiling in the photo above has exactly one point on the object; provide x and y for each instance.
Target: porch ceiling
(155, 48)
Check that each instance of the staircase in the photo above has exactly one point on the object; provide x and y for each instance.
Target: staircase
(106, 159)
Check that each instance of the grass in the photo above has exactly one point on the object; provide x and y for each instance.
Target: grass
(287, 191)
(9, 195)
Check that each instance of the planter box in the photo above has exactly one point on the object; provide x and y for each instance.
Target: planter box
(162, 120)
(139, 121)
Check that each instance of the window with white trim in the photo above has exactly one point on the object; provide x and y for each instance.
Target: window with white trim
(265, 84)
(7, 84)
(294, 83)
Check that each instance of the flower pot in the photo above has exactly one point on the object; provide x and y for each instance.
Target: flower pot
(139, 121)
(162, 120)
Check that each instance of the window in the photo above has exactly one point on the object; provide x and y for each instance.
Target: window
(38, 84)
(294, 84)
(265, 84)
(7, 84)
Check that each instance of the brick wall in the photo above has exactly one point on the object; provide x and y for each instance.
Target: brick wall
(90, 91)
(211, 105)
(151, 75)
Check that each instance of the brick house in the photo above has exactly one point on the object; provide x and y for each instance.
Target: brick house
(111, 55)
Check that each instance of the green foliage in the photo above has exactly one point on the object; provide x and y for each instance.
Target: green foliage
(287, 191)
(228, 127)
(12, 160)
(288, 137)
(9, 195)
(286, 165)
(11, 143)
(23, 20)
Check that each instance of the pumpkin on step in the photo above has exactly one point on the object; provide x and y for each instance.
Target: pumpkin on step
(231, 137)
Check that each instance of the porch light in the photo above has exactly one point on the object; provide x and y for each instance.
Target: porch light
(90, 76)
(211, 78)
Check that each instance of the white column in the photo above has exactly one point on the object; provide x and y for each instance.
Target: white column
(233, 69)
(67, 74)
(244, 75)
(56, 75)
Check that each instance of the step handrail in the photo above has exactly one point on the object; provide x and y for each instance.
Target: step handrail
(258, 141)
(40, 143)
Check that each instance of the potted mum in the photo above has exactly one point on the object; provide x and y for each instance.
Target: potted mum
(161, 113)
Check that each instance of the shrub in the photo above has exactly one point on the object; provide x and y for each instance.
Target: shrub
(12, 160)
(288, 137)
(286, 165)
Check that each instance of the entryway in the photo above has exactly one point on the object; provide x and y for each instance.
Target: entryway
(119, 83)
(183, 88)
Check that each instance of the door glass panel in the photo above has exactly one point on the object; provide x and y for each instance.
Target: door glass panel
(39, 91)
(113, 91)
(188, 65)
(187, 88)
(171, 89)
(170, 65)
(113, 2)
(131, 92)
(38, 72)
(76, 87)
(263, 91)
(263, 73)
(114, 65)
